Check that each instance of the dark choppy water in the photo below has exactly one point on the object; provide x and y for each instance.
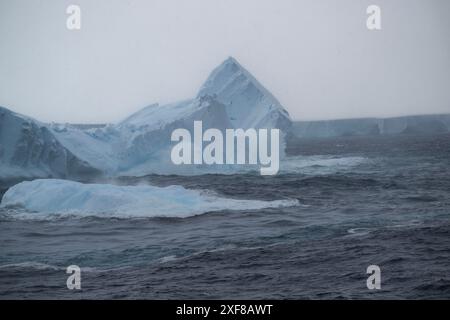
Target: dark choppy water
(377, 200)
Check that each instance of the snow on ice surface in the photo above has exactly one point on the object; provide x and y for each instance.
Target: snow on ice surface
(157, 116)
(44, 197)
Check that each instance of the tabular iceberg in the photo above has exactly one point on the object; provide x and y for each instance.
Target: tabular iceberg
(421, 124)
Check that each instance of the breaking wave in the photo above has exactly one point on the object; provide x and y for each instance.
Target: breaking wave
(318, 165)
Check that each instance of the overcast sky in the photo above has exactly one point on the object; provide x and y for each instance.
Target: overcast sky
(316, 56)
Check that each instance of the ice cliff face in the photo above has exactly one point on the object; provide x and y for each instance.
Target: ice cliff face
(230, 98)
(29, 149)
(141, 144)
(146, 136)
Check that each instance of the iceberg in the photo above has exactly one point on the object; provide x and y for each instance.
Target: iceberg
(231, 98)
(42, 198)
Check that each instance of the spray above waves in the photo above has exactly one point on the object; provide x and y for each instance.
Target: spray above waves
(52, 197)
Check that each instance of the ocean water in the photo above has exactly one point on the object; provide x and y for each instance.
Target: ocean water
(361, 201)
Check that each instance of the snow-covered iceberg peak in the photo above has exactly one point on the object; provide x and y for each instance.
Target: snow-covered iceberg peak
(248, 103)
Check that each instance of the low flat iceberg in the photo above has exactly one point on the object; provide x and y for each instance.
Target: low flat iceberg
(62, 197)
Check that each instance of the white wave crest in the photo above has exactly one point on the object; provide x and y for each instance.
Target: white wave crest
(30, 265)
(318, 165)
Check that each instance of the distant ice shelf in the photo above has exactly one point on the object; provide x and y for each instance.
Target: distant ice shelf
(420, 124)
